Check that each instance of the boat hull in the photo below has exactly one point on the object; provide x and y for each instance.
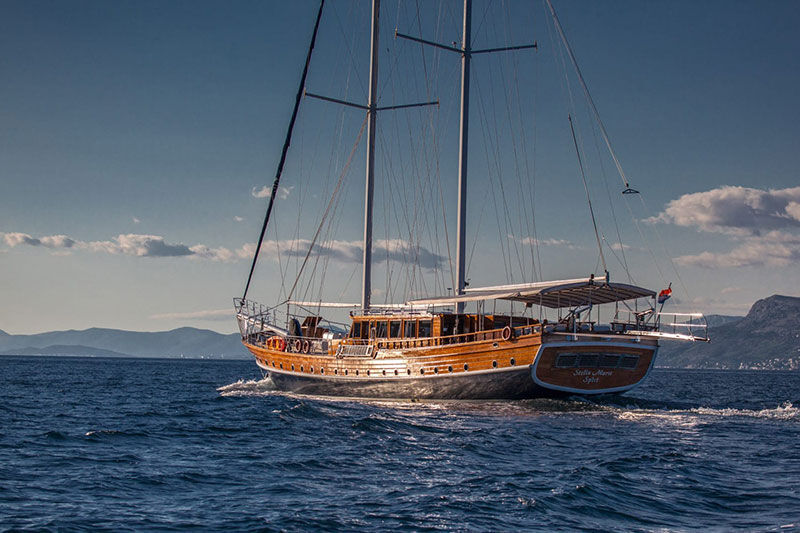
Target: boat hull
(528, 370)
(515, 383)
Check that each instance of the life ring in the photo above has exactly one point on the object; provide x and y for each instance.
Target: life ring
(506, 333)
(298, 344)
(276, 343)
(306, 346)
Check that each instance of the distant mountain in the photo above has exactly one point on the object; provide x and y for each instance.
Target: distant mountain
(61, 349)
(719, 320)
(767, 338)
(188, 342)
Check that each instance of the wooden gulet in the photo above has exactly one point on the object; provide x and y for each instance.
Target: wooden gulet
(430, 348)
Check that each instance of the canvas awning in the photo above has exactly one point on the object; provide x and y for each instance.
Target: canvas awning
(551, 294)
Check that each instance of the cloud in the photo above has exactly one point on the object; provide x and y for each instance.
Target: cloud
(764, 224)
(545, 242)
(211, 314)
(775, 248)
(136, 220)
(352, 251)
(140, 246)
(238, 218)
(266, 192)
(52, 241)
(731, 290)
(737, 211)
(125, 244)
(156, 246)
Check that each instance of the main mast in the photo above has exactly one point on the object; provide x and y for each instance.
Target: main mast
(461, 241)
(372, 113)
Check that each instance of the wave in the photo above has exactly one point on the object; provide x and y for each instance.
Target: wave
(785, 412)
(249, 387)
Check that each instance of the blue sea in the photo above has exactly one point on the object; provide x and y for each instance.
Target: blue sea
(165, 444)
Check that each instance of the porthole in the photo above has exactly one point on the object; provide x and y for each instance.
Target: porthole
(395, 372)
(436, 370)
(422, 371)
(494, 364)
(292, 368)
(301, 368)
(336, 371)
(513, 361)
(321, 370)
(281, 366)
(384, 372)
(345, 371)
(466, 366)
(450, 368)
(356, 372)
(368, 372)
(311, 369)
(409, 371)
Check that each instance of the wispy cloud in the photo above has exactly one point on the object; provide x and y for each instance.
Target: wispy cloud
(266, 192)
(51, 241)
(238, 218)
(532, 241)
(156, 246)
(352, 251)
(125, 244)
(211, 314)
(136, 220)
(774, 248)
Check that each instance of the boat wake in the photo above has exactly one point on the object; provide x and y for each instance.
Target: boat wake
(249, 387)
(784, 412)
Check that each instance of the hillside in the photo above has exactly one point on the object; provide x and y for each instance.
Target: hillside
(188, 342)
(767, 338)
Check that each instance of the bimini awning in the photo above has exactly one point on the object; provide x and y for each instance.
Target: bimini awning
(550, 294)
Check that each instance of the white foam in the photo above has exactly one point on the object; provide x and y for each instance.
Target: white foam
(691, 417)
(250, 387)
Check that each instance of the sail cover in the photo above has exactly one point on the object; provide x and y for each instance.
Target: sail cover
(551, 294)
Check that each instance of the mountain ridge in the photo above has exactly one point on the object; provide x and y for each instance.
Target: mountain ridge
(178, 342)
(767, 338)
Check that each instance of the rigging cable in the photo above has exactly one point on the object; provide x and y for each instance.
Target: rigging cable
(286, 144)
(588, 196)
(589, 97)
(328, 208)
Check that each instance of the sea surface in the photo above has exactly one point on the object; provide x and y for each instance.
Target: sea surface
(164, 444)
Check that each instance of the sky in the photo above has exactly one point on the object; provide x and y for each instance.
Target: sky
(138, 138)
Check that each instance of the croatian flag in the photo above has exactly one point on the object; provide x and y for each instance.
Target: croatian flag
(664, 295)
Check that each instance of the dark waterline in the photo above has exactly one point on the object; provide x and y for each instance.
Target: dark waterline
(127, 444)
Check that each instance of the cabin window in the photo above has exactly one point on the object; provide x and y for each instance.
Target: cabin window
(608, 360)
(596, 360)
(410, 327)
(425, 328)
(566, 361)
(355, 331)
(380, 329)
(394, 329)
